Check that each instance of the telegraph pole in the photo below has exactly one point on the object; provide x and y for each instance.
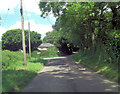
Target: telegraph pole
(23, 34)
(29, 39)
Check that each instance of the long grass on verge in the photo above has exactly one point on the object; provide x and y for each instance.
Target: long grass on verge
(0, 67)
(15, 76)
(100, 62)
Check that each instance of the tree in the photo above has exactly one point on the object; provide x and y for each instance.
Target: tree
(49, 38)
(56, 38)
(87, 24)
(12, 40)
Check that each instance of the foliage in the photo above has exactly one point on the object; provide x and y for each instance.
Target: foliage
(50, 37)
(9, 59)
(15, 76)
(87, 24)
(12, 40)
(60, 42)
(93, 27)
(0, 45)
(101, 62)
(50, 52)
(35, 54)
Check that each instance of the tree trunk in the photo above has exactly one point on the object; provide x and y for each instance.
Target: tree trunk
(92, 35)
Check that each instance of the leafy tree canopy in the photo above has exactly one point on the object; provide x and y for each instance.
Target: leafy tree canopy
(87, 24)
(12, 40)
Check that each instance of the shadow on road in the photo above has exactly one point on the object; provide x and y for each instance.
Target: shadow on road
(63, 75)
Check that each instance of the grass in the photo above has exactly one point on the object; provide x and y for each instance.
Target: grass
(49, 53)
(100, 62)
(0, 67)
(15, 76)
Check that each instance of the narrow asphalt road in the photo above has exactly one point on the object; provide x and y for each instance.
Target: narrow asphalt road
(62, 74)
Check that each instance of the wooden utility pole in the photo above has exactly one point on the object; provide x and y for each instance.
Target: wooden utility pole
(23, 34)
(29, 39)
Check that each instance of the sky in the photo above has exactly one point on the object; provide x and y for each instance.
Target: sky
(11, 17)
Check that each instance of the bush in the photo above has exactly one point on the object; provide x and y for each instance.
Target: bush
(9, 59)
(50, 52)
(34, 54)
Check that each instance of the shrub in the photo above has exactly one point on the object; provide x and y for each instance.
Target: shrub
(10, 58)
(51, 52)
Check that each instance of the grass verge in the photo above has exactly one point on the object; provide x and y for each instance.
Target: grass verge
(15, 76)
(98, 62)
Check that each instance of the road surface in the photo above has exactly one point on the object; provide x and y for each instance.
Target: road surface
(62, 74)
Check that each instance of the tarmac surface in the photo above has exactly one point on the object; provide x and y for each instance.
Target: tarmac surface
(63, 74)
